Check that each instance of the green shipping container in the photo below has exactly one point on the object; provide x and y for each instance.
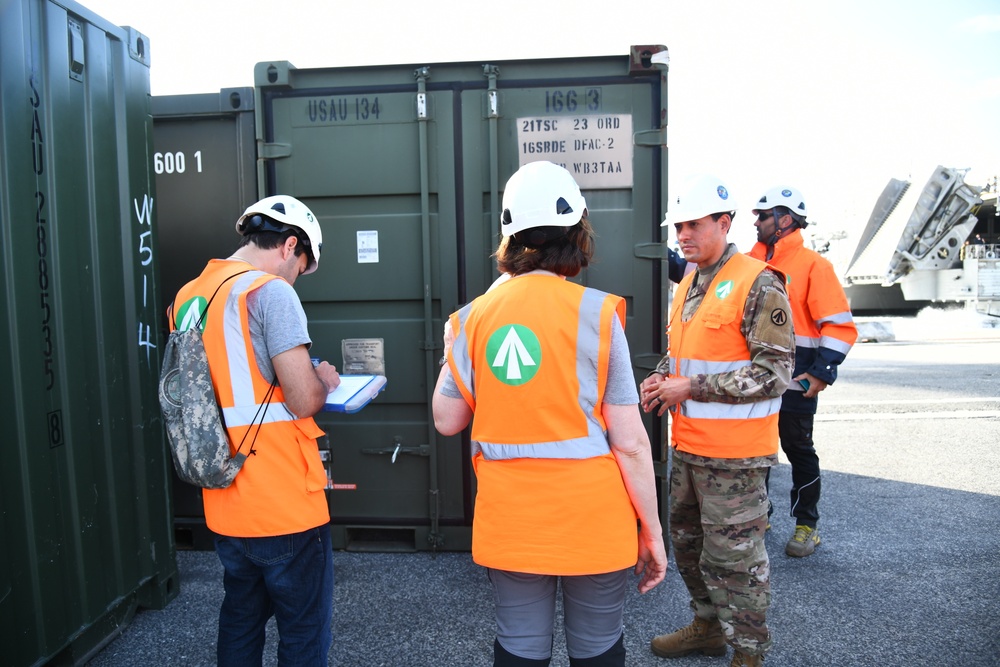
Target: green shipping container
(84, 487)
(404, 166)
(205, 165)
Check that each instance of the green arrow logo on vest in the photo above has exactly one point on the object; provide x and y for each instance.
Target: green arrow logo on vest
(724, 289)
(190, 314)
(514, 354)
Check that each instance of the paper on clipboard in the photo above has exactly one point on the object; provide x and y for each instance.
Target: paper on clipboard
(354, 393)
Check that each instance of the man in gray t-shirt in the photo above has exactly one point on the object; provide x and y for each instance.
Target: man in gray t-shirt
(272, 523)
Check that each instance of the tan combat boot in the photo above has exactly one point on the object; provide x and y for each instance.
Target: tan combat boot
(741, 659)
(702, 635)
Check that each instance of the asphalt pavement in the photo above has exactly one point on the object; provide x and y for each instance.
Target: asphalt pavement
(908, 572)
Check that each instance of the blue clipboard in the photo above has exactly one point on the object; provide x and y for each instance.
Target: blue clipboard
(354, 393)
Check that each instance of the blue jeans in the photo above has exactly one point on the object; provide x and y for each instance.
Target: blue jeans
(289, 577)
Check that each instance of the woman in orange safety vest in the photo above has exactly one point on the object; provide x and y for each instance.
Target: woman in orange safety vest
(540, 366)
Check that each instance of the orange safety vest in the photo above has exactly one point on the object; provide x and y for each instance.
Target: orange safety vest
(820, 312)
(711, 342)
(280, 489)
(531, 359)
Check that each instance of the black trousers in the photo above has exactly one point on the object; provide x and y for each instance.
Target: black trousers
(795, 431)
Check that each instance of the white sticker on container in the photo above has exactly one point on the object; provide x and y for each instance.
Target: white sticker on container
(368, 247)
(596, 149)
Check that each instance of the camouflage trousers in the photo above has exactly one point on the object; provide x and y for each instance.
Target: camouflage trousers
(717, 523)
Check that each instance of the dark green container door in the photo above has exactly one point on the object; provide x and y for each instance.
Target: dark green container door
(403, 165)
(83, 488)
(204, 161)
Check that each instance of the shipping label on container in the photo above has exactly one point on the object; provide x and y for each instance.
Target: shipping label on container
(367, 247)
(596, 149)
(363, 356)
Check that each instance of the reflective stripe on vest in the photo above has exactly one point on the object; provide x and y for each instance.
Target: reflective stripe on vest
(246, 409)
(578, 448)
(588, 348)
(713, 410)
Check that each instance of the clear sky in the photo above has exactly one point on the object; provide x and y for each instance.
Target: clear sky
(834, 97)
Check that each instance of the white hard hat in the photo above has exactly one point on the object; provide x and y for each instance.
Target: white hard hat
(704, 195)
(276, 214)
(541, 194)
(790, 198)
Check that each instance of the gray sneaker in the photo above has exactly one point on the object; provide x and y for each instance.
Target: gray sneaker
(803, 542)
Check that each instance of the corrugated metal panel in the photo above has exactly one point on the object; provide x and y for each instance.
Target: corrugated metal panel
(404, 166)
(84, 485)
(205, 164)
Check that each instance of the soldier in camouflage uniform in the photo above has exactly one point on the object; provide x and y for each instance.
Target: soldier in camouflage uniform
(722, 383)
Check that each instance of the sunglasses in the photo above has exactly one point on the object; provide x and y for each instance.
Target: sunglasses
(764, 216)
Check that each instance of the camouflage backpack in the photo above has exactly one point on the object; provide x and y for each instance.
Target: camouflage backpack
(198, 441)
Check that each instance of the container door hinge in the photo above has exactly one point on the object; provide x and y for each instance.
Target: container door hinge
(650, 251)
(77, 58)
(654, 137)
(273, 151)
(421, 74)
(492, 72)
